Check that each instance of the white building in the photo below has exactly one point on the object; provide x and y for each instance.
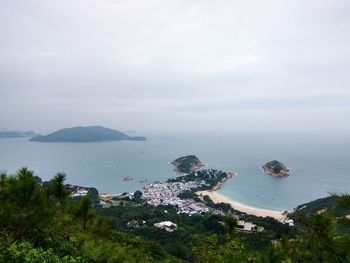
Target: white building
(290, 222)
(166, 225)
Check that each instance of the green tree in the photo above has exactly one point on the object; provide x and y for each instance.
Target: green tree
(24, 206)
(3, 177)
(85, 211)
(138, 196)
(103, 226)
(57, 189)
(320, 241)
(230, 225)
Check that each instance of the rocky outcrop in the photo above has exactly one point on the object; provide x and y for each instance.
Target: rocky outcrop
(276, 169)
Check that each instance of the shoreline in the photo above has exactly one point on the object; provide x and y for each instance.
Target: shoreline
(219, 184)
(220, 198)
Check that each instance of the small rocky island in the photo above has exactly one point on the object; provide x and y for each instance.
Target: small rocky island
(187, 164)
(276, 169)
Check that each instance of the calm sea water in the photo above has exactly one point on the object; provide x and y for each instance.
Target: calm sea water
(319, 164)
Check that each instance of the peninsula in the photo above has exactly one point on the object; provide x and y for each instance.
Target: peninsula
(86, 134)
(276, 169)
(187, 164)
(181, 191)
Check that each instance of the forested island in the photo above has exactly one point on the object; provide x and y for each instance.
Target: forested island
(187, 164)
(276, 169)
(86, 134)
(54, 222)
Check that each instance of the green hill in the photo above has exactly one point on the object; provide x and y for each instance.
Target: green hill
(328, 203)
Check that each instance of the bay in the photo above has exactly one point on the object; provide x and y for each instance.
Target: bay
(319, 163)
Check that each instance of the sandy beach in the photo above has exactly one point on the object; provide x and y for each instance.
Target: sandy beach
(108, 197)
(219, 198)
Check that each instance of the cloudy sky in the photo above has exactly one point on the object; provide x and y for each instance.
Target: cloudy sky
(188, 65)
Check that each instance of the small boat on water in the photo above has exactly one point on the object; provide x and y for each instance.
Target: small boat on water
(128, 178)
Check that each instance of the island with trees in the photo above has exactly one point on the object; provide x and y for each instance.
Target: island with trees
(187, 164)
(276, 169)
(86, 134)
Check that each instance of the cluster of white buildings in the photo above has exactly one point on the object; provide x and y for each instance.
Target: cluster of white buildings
(245, 226)
(79, 192)
(191, 207)
(167, 194)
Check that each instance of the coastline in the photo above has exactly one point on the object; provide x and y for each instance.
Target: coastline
(220, 198)
(219, 184)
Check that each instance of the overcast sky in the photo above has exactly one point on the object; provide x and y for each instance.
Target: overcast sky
(175, 65)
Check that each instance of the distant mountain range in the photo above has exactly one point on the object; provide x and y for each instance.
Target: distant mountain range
(86, 134)
(16, 134)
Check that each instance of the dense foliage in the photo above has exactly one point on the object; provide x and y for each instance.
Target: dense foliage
(276, 167)
(39, 222)
(187, 163)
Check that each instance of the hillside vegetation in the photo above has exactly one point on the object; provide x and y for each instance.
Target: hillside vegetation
(187, 164)
(39, 222)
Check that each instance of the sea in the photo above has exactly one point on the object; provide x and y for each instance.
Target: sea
(319, 164)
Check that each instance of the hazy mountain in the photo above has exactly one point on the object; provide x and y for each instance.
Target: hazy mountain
(85, 134)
